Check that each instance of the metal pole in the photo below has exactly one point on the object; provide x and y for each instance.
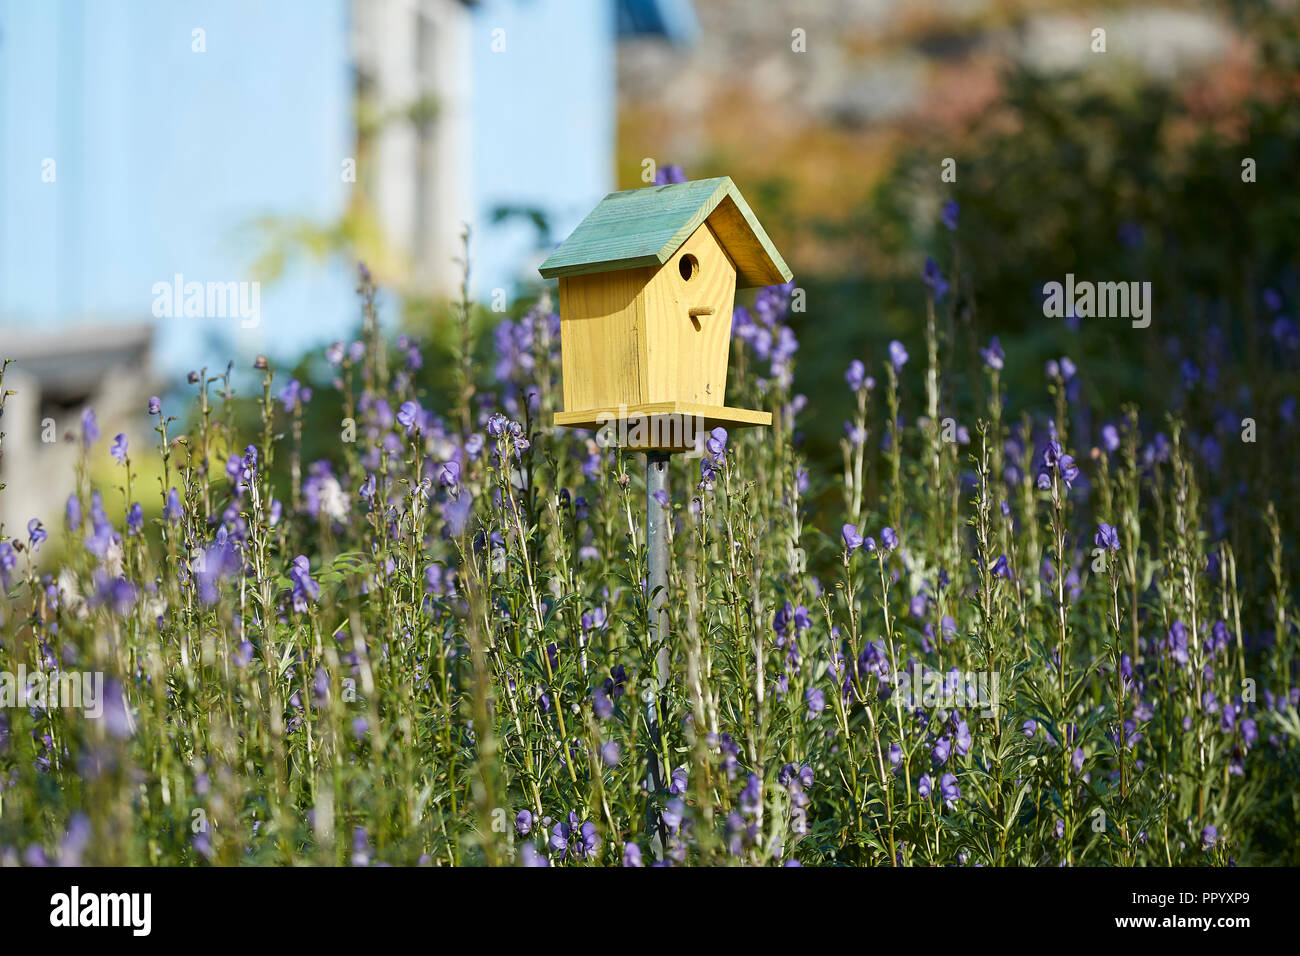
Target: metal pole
(657, 517)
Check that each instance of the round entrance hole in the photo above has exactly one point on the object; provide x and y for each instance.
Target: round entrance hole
(688, 266)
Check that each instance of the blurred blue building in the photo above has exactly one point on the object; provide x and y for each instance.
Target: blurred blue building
(145, 145)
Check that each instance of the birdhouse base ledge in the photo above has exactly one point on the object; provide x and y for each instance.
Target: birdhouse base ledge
(667, 426)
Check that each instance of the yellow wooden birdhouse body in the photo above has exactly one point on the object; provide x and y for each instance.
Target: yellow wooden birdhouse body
(647, 285)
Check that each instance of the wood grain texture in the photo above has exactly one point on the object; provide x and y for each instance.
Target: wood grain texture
(603, 338)
(687, 360)
(757, 261)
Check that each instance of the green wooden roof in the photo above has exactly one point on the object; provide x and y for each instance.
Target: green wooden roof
(644, 227)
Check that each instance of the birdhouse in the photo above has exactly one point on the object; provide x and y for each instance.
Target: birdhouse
(647, 285)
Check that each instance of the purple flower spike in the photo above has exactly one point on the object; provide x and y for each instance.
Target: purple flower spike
(856, 376)
(949, 214)
(993, 356)
(934, 280)
(89, 428)
(897, 355)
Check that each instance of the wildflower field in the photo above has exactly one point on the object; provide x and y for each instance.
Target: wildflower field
(984, 640)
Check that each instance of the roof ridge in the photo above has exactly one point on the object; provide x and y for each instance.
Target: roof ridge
(636, 228)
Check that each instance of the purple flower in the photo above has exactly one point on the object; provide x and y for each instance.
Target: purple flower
(570, 836)
(1249, 731)
(852, 539)
(1069, 471)
(1209, 836)
(888, 539)
(934, 279)
(75, 840)
(631, 854)
(1110, 437)
(674, 813)
(116, 717)
(949, 790)
(784, 615)
(716, 444)
(941, 751)
(528, 856)
(857, 376)
(897, 355)
(666, 175)
(1054, 458)
(925, 785)
(118, 449)
(948, 215)
(155, 405)
(8, 561)
(35, 534)
(609, 753)
(135, 519)
(1176, 642)
(408, 415)
(115, 592)
(294, 394)
(173, 511)
(449, 477)
(816, 702)
(217, 563)
(559, 841)
(304, 588)
(993, 356)
(963, 738)
(89, 429)
(1106, 537)
(678, 781)
(751, 798)
(102, 535)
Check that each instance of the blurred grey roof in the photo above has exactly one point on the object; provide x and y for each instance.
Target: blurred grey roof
(72, 361)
